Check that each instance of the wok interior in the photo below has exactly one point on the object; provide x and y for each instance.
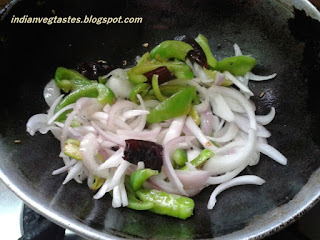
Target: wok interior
(30, 53)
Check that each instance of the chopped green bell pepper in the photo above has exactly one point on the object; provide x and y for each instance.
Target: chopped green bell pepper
(156, 90)
(138, 177)
(177, 105)
(179, 69)
(95, 90)
(180, 157)
(171, 49)
(69, 80)
(133, 201)
(71, 148)
(98, 182)
(237, 65)
(141, 88)
(203, 156)
(167, 204)
(203, 42)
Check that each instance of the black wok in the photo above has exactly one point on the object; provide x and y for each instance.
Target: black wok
(284, 36)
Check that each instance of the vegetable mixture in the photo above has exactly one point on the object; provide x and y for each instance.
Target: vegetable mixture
(156, 134)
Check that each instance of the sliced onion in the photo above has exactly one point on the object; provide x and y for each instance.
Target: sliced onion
(219, 79)
(243, 123)
(168, 168)
(237, 50)
(193, 179)
(114, 160)
(203, 106)
(64, 168)
(220, 164)
(51, 92)
(123, 193)
(37, 122)
(119, 83)
(134, 113)
(57, 114)
(239, 84)
(88, 149)
(175, 129)
(196, 131)
(271, 152)
(206, 122)
(53, 106)
(221, 108)
(232, 93)
(230, 130)
(73, 172)
(254, 77)
(266, 119)
(116, 178)
(226, 177)
(242, 180)
(110, 136)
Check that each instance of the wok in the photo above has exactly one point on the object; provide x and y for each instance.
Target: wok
(283, 35)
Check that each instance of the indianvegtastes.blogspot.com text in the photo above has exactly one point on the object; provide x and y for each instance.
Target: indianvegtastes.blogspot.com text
(86, 19)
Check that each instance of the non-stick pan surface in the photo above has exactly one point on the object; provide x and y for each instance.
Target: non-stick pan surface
(284, 39)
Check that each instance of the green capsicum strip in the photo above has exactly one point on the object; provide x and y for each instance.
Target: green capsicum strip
(95, 90)
(98, 182)
(167, 204)
(194, 115)
(71, 148)
(69, 80)
(180, 157)
(156, 90)
(204, 155)
(141, 88)
(179, 69)
(133, 201)
(237, 65)
(171, 49)
(177, 105)
(204, 44)
(138, 177)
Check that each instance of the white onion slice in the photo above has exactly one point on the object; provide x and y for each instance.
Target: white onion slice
(64, 168)
(196, 131)
(242, 180)
(113, 161)
(206, 122)
(266, 119)
(51, 92)
(193, 179)
(57, 114)
(175, 129)
(230, 131)
(233, 93)
(88, 149)
(237, 50)
(226, 177)
(219, 164)
(221, 108)
(168, 168)
(37, 122)
(254, 77)
(243, 123)
(74, 171)
(272, 153)
(239, 84)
